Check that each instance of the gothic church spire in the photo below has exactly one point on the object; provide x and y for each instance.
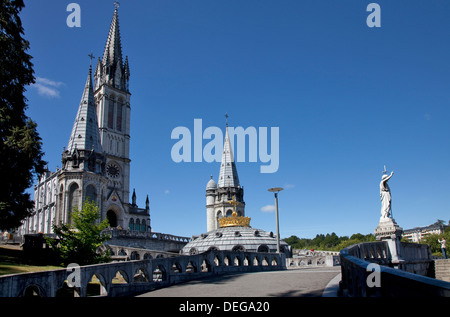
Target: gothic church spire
(228, 176)
(111, 69)
(85, 134)
(113, 48)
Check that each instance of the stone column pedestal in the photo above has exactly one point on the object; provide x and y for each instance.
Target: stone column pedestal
(388, 230)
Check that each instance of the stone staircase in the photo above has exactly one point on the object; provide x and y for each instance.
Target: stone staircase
(442, 269)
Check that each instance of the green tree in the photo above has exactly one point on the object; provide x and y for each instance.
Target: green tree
(439, 222)
(79, 243)
(20, 144)
(292, 240)
(328, 242)
(357, 236)
(432, 241)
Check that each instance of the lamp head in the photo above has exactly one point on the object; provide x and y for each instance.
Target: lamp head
(275, 189)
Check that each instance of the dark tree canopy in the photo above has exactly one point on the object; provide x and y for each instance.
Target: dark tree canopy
(20, 145)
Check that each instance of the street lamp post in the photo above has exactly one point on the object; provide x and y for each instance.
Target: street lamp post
(276, 190)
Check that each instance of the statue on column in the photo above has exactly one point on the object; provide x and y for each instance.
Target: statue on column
(385, 195)
(388, 230)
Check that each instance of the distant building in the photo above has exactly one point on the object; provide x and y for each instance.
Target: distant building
(418, 233)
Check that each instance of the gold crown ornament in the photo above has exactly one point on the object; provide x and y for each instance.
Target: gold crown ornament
(234, 220)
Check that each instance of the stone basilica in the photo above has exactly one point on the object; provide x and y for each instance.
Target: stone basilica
(96, 166)
(96, 162)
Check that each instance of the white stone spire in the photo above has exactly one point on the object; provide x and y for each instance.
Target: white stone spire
(111, 69)
(85, 134)
(113, 48)
(228, 176)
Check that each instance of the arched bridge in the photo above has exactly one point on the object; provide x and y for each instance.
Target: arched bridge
(133, 277)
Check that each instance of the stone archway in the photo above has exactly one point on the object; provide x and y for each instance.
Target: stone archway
(112, 218)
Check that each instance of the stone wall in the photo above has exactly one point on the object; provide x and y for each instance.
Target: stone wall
(133, 277)
(442, 269)
(147, 240)
(408, 278)
(307, 258)
(309, 261)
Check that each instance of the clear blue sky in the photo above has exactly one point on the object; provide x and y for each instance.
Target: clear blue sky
(348, 99)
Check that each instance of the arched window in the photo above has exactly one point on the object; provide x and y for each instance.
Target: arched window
(59, 216)
(131, 224)
(111, 107)
(219, 215)
(238, 248)
(119, 116)
(137, 226)
(91, 193)
(229, 212)
(112, 218)
(74, 198)
(143, 225)
(263, 248)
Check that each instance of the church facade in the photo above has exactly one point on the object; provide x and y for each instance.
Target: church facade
(96, 162)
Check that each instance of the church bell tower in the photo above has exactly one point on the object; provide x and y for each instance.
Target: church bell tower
(112, 98)
(226, 197)
(96, 163)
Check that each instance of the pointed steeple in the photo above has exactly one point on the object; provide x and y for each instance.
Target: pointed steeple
(228, 176)
(85, 134)
(111, 69)
(113, 48)
(133, 199)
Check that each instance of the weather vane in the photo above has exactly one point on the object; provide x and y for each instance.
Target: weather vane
(226, 119)
(116, 4)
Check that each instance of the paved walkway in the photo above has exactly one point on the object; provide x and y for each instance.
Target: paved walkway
(304, 282)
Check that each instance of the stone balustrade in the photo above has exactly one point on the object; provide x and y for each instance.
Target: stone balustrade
(316, 260)
(406, 277)
(146, 240)
(134, 277)
(124, 253)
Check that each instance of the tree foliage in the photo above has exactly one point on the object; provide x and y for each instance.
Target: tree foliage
(20, 144)
(328, 242)
(331, 242)
(80, 242)
(432, 241)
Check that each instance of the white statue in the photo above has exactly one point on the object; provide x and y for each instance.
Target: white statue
(385, 194)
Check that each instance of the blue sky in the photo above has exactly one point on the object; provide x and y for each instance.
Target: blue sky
(348, 99)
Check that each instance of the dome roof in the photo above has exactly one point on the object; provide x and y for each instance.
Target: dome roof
(235, 239)
(211, 184)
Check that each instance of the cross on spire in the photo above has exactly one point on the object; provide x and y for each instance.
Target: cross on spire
(116, 4)
(226, 119)
(91, 57)
(234, 203)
